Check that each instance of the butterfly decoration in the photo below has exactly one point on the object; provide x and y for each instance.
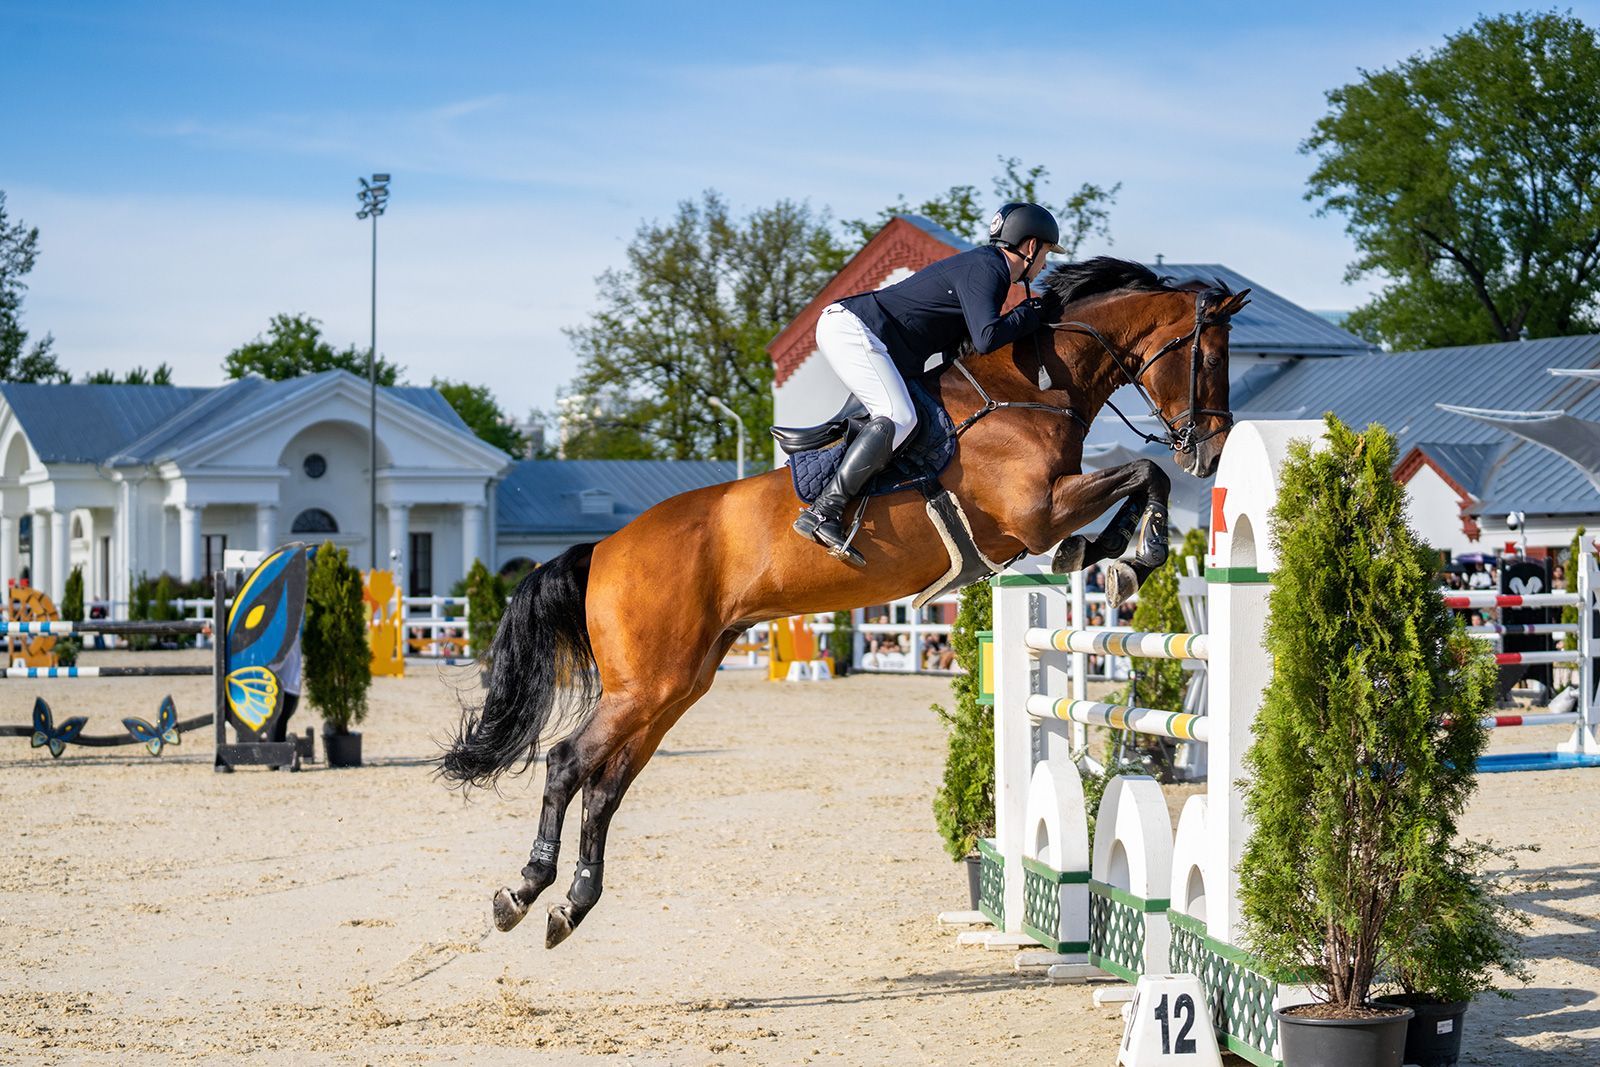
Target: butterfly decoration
(1526, 586)
(253, 695)
(164, 732)
(45, 732)
(263, 643)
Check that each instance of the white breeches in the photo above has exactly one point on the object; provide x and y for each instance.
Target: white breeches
(862, 363)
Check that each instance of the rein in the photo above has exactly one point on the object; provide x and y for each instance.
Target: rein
(1180, 438)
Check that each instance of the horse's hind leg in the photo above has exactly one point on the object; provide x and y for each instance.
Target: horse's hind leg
(603, 793)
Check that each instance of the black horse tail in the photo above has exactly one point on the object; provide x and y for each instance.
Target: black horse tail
(540, 662)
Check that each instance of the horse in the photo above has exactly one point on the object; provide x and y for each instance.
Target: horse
(607, 645)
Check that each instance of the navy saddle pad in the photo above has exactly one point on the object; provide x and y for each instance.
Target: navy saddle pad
(917, 464)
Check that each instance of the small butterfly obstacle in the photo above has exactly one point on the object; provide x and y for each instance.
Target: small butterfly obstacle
(256, 666)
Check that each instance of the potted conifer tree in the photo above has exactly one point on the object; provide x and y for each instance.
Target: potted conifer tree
(1365, 746)
(338, 663)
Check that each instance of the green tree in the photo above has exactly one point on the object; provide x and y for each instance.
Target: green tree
(486, 602)
(1470, 176)
(477, 407)
(689, 318)
(1084, 213)
(293, 346)
(19, 362)
(338, 663)
(1367, 741)
(162, 375)
(963, 806)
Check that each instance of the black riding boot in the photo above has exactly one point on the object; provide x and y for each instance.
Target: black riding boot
(865, 456)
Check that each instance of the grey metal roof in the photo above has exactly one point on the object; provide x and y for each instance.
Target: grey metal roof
(542, 496)
(144, 423)
(1270, 323)
(87, 423)
(1401, 390)
(928, 226)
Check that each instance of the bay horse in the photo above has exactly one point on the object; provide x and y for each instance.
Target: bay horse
(622, 636)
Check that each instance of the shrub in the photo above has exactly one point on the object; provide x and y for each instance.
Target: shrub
(842, 643)
(486, 602)
(964, 804)
(1368, 737)
(338, 664)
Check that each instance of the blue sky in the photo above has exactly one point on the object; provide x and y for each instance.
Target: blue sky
(192, 168)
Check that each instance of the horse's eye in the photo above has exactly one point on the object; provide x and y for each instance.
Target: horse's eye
(1213, 360)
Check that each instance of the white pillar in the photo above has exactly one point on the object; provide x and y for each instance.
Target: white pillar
(266, 527)
(399, 542)
(8, 551)
(39, 574)
(472, 537)
(59, 545)
(188, 542)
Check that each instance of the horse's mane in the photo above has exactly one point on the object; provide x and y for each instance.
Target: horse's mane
(1103, 274)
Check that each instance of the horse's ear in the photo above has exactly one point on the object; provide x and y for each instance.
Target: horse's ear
(1232, 305)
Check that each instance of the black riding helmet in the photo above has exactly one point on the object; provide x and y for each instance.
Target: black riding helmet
(1015, 223)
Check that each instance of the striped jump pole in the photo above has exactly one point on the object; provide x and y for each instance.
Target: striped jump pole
(1510, 600)
(1551, 719)
(61, 627)
(105, 672)
(1175, 724)
(1496, 629)
(1508, 658)
(1107, 642)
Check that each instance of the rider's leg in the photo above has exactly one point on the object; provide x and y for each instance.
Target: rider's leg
(862, 363)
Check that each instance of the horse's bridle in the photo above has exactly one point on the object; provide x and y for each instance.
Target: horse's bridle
(1181, 431)
(1179, 438)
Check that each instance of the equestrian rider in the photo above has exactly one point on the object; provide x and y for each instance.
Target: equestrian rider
(875, 341)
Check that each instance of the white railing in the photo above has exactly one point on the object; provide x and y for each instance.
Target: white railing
(435, 627)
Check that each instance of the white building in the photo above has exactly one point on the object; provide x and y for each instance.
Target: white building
(124, 480)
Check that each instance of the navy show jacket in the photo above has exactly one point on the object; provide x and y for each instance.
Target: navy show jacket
(941, 305)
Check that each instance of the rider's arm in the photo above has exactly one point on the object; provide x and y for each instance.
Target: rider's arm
(981, 296)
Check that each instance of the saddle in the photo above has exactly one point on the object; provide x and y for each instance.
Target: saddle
(815, 451)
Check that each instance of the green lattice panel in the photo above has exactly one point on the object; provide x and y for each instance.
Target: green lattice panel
(1041, 905)
(992, 883)
(1117, 930)
(1239, 995)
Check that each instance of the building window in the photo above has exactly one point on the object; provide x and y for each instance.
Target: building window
(420, 580)
(314, 521)
(212, 547)
(315, 466)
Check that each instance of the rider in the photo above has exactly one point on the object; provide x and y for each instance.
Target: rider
(875, 341)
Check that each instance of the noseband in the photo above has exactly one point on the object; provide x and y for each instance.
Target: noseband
(1183, 433)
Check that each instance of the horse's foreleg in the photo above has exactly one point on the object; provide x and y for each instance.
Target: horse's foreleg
(1142, 520)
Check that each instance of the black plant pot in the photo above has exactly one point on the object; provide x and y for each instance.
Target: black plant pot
(1433, 1039)
(974, 879)
(342, 750)
(1312, 1042)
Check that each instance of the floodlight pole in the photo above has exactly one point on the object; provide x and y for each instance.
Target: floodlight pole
(374, 197)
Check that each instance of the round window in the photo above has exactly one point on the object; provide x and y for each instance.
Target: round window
(315, 466)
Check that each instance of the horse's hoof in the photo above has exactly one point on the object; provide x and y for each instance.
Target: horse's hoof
(1069, 555)
(559, 926)
(508, 910)
(1122, 581)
